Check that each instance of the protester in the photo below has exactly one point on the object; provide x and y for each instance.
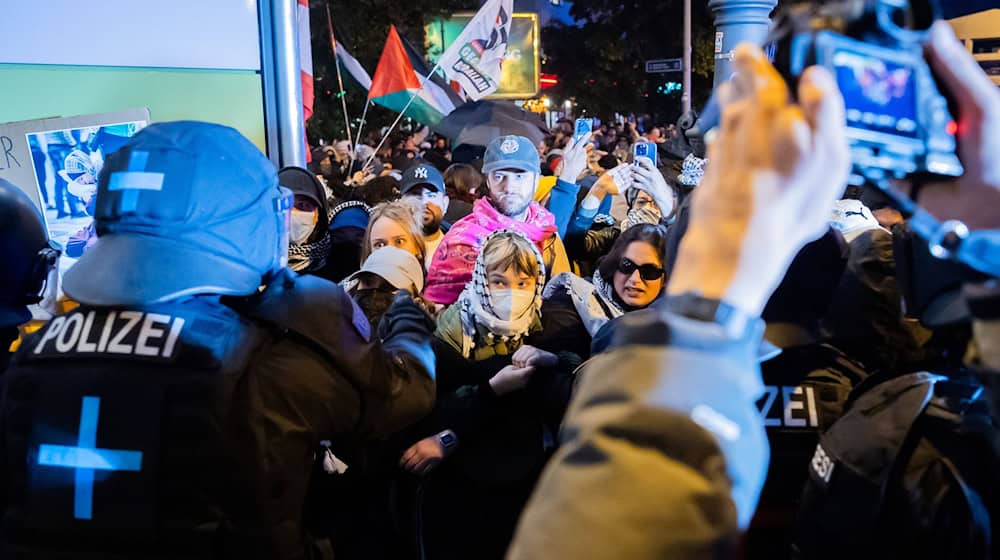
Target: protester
(309, 235)
(500, 402)
(383, 274)
(629, 278)
(649, 198)
(339, 162)
(562, 194)
(463, 185)
(424, 185)
(220, 391)
(650, 440)
(348, 223)
(394, 224)
(511, 167)
(377, 191)
(498, 307)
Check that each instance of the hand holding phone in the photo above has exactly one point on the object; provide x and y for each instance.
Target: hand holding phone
(582, 128)
(644, 149)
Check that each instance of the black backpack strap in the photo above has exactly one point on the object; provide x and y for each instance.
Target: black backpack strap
(853, 463)
(979, 515)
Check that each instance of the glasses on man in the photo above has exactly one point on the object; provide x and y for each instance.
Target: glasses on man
(648, 272)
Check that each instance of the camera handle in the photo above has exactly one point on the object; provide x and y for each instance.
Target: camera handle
(948, 240)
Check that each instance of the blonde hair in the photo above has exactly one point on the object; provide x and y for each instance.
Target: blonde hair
(506, 250)
(405, 214)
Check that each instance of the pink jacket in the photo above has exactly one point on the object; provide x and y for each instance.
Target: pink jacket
(455, 257)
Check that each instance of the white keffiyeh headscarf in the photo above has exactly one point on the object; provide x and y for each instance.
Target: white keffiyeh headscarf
(593, 301)
(477, 308)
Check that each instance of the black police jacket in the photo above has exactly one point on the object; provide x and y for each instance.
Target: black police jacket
(187, 429)
(909, 471)
(805, 390)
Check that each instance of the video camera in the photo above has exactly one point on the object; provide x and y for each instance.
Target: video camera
(898, 122)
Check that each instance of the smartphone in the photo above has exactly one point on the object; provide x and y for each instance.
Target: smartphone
(644, 149)
(582, 127)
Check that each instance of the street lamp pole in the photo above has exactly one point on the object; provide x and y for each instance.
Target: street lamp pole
(686, 93)
(737, 21)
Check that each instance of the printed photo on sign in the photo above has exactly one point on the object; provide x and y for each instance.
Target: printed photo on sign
(67, 163)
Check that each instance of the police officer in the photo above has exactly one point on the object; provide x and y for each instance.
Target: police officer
(909, 469)
(27, 257)
(806, 386)
(177, 411)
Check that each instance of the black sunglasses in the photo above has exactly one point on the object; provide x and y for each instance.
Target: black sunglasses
(648, 272)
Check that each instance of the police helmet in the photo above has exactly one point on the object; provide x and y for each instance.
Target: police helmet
(26, 254)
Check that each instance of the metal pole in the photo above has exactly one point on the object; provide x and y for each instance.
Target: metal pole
(364, 114)
(288, 83)
(267, 74)
(686, 92)
(340, 82)
(737, 21)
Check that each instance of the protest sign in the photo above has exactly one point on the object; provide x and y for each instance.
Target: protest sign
(56, 161)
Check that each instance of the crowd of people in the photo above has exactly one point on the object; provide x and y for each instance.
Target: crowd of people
(526, 350)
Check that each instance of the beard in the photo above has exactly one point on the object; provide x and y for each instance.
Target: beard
(431, 220)
(432, 224)
(510, 204)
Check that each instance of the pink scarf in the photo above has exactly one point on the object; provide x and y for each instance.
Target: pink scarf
(451, 268)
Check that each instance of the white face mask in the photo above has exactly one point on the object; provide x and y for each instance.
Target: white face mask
(511, 304)
(302, 226)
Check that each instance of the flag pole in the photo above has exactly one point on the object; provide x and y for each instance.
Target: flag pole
(413, 97)
(340, 81)
(364, 114)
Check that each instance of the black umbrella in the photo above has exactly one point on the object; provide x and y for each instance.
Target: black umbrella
(479, 122)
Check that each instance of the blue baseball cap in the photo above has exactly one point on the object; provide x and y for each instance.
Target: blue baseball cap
(421, 175)
(511, 152)
(183, 208)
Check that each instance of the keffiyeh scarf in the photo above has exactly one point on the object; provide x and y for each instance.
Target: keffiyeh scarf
(476, 307)
(593, 301)
(692, 170)
(309, 256)
(640, 216)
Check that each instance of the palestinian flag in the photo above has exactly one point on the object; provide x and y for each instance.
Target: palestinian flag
(399, 75)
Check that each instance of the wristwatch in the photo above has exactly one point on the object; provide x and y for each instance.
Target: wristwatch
(734, 322)
(448, 440)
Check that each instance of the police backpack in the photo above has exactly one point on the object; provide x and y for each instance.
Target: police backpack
(907, 472)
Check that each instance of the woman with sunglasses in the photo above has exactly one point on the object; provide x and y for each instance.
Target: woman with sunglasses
(630, 277)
